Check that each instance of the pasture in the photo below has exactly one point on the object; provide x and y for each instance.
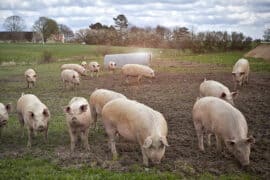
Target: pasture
(173, 93)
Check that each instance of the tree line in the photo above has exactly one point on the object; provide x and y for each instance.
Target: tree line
(123, 34)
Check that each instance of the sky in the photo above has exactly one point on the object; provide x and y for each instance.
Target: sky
(251, 17)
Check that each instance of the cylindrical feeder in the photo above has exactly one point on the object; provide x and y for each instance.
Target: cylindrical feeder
(143, 58)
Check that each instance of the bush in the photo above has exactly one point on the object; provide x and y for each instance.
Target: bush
(47, 57)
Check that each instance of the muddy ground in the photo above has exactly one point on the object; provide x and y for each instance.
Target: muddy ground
(174, 94)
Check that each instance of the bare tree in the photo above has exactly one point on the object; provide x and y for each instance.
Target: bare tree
(46, 27)
(266, 35)
(14, 24)
(68, 33)
(81, 35)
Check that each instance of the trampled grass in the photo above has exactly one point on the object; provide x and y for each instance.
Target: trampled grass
(49, 89)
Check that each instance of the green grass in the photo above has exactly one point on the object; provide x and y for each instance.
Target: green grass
(27, 53)
(34, 168)
(30, 168)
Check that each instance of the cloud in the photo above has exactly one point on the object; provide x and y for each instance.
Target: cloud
(248, 16)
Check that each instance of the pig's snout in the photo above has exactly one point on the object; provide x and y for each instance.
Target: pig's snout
(41, 128)
(73, 119)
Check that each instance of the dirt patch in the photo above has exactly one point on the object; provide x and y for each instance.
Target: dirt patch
(261, 51)
(174, 94)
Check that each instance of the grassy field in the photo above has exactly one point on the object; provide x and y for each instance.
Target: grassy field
(39, 162)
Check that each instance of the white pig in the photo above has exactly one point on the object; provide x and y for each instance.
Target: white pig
(4, 111)
(240, 72)
(111, 66)
(137, 70)
(78, 117)
(94, 68)
(139, 123)
(217, 89)
(70, 76)
(30, 77)
(32, 112)
(76, 67)
(99, 98)
(212, 115)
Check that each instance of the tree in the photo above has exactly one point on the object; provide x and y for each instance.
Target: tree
(121, 25)
(14, 24)
(81, 35)
(266, 35)
(64, 29)
(121, 22)
(46, 27)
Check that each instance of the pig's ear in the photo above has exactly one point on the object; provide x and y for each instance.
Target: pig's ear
(67, 109)
(83, 108)
(46, 113)
(231, 142)
(234, 94)
(223, 95)
(147, 142)
(250, 140)
(31, 114)
(8, 107)
(163, 139)
(233, 73)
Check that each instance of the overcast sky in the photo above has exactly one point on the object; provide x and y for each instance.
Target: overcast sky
(251, 17)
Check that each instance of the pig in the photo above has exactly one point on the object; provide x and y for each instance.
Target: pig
(138, 123)
(137, 70)
(240, 72)
(32, 112)
(98, 99)
(30, 77)
(111, 66)
(213, 115)
(70, 76)
(94, 68)
(4, 111)
(76, 67)
(217, 89)
(84, 64)
(78, 117)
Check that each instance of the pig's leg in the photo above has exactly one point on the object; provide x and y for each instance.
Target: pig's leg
(127, 80)
(20, 117)
(84, 137)
(199, 130)
(111, 131)
(139, 78)
(209, 139)
(94, 116)
(72, 140)
(145, 158)
(219, 143)
(46, 134)
(30, 136)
